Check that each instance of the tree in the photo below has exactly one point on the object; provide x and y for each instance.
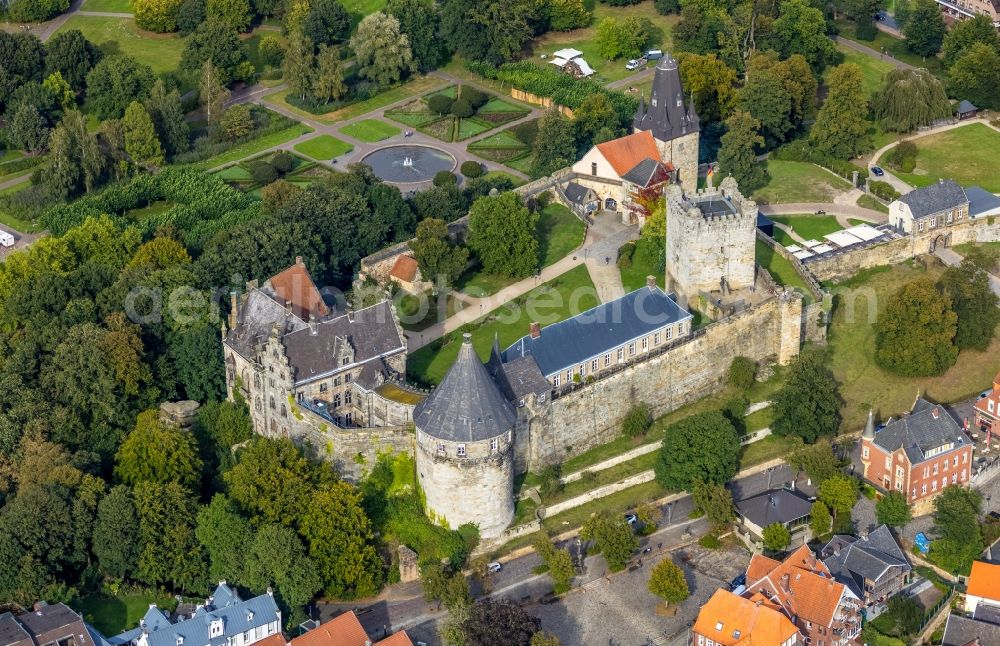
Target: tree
(141, 142)
(169, 553)
(328, 84)
(236, 122)
(555, 145)
(212, 92)
(612, 537)
(382, 52)
(956, 522)
(637, 420)
(700, 448)
(966, 33)
(420, 21)
(973, 301)
(216, 42)
(915, 333)
(841, 129)
(499, 621)
(776, 537)
(298, 65)
(969, 80)
(35, 10)
(820, 521)
(277, 557)
(326, 23)
(165, 110)
(596, 119)
(566, 15)
(715, 501)
(59, 88)
(439, 260)
(839, 492)
(27, 129)
(621, 39)
(115, 541)
(738, 156)
(817, 460)
(925, 28)
(271, 51)
(156, 15)
(667, 581)
(234, 13)
(115, 82)
(224, 534)
(710, 81)
(892, 510)
(561, 570)
(742, 373)
(808, 404)
(502, 235)
(77, 161)
(72, 55)
(910, 98)
(447, 586)
(190, 16)
(157, 452)
(801, 29)
(492, 31)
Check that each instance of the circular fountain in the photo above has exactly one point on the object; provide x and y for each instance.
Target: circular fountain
(408, 164)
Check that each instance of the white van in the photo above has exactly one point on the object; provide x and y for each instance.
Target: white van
(6, 239)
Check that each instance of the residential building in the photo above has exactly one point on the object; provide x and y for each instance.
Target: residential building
(727, 619)
(223, 620)
(873, 566)
(987, 409)
(964, 9)
(604, 337)
(982, 629)
(46, 625)
(346, 630)
(917, 454)
(825, 611)
(983, 587)
(782, 506)
(937, 206)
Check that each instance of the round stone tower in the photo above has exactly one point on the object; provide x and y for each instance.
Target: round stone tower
(465, 457)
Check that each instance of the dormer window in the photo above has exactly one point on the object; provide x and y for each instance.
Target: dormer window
(249, 615)
(718, 625)
(180, 640)
(215, 628)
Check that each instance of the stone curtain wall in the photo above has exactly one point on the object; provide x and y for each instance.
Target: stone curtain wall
(591, 414)
(352, 452)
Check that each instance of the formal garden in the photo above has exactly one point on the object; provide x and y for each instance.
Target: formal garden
(252, 174)
(511, 147)
(370, 130)
(323, 147)
(456, 113)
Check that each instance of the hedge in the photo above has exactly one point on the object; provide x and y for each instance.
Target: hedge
(17, 165)
(800, 151)
(561, 88)
(883, 190)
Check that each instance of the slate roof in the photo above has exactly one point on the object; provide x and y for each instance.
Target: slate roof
(864, 558)
(666, 116)
(237, 616)
(928, 426)
(647, 172)
(989, 614)
(518, 378)
(981, 201)
(962, 631)
(36, 626)
(935, 198)
(12, 632)
(256, 317)
(774, 506)
(598, 330)
(467, 406)
(965, 106)
(576, 193)
(625, 152)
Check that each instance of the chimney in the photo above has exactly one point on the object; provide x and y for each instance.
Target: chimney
(233, 304)
(270, 592)
(535, 330)
(288, 308)
(935, 412)
(784, 582)
(298, 260)
(651, 282)
(312, 325)
(251, 284)
(836, 549)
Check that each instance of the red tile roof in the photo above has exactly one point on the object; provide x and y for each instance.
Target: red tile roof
(984, 581)
(294, 285)
(625, 152)
(404, 269)
(396, 639)
(730, 620)
(342, 630)
(274, 640)
(809, 590)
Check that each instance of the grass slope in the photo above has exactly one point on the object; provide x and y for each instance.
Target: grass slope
(162, 52)
(780, 269)
(969, 155)
(323, 147)
(872, 69)
(113, 615)
(799, 182)
(810, 227)
(559, 233)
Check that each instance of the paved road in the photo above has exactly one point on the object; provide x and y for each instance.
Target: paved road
(847, 210)
(864, 49)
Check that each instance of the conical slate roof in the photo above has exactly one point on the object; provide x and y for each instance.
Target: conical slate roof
(467, 406)
(869, 432)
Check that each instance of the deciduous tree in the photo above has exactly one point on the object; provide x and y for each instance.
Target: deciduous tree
(975, 76)
(808, 404)
(700, 448)
(27, 129)
(841, 129)
(973, 300)
(566, 15)
(493, 31)
(667, 581)
(115, 82)
(621, 38)
(711, 82)
(502, 235)
(715, 501)
(966, 33)
(839, 492)
(956, 523)
(212, 92)
(224, 534)
(382, 51)
(738, 156)
(326, 23)
(219, 43)
(766, 99)
(612, 537)
(156, 15)
(801, 29)
(776, 537)
(915, 333)
(499, 621)
(555, 144)
(438, 258)
(420, 21)
(160, 453)
(234, 13)
(298, 65)
(328, 83)
(72, 55)
(169, 553)
(277, 557)
(237, 122)
(908, 99)
(925, 28)
(115, 541)
(892, 510)
(820, 521)
(817, 460)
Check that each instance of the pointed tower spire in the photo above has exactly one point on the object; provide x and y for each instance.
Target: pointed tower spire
(869, 432)
(692, 115)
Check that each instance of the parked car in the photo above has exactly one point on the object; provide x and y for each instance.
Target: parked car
(631, 518)
(654, 54)
(877, 172)
(632, 64)
(494, 567)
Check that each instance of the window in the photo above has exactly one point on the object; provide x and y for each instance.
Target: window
(933, 486)
(336, 382)
(656, 339)
(569, 376)
(541, 398)
(583, 369)
(864, 452)
(520, 402)
(495, 444)
(347, 378)
(336, 400)
(257, 403)
(645, 344)
(556, 381)
(215, 628)
(347, 396)
(607, 360)
(631, 349)
(441, 450)
(180, 640)
(461, 450)
(593, 168)
(923, 490)
(322, 388)
(963, 475)
(989, 405)
(913, 494)
(349, 418)
(899, 485)
(670, 333)
(927, 472)
(621, 354)
(271, 381)
(949, 217)
(249, 615)
(933, 221)
(944, 465)
(284, 412)
(954, 478)
(899, 472)
(272, 403)
(965, 458)
(920, 226)
(935, 469)
(593, 365)
(888, 462)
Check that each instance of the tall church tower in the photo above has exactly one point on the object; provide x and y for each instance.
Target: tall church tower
(674, 127)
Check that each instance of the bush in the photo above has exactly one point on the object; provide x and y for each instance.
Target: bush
(527, 131)
(666, 7)
(271, 51)
(282, 161)
(35, 10)
(263, 172)
(462, 109)
(550, 484)
(476, 98)
(865, 30)
(444, 178)
(637, 420)
(471, 169)
(903, 157)
(625, 255)
(883, 190)
(710, 542)
(440, 103)
(742, 373)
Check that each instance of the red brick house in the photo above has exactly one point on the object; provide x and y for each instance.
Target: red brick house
(918, 454)
(988, 409)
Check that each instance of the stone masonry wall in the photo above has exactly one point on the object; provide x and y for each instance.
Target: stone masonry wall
(591, 414)
(352, 452)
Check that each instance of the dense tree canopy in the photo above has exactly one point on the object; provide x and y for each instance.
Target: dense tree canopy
(841, 130)
(975, 76)
(667, 581)
(382, 51)
(420, 21)
(738, 156)
(908, 99)
(915, 333)
(160, 453)
(115, 82)
(493, 31)
(925, 28)
(502, 235)
(702, 448)
(72, 55)
(808, 404)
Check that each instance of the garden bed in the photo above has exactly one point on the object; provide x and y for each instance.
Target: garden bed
(448, 127)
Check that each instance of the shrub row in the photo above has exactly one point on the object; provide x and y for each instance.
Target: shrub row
(266, 123)
(800, 151)
(17, 165)
(902, 157)
(883, 190)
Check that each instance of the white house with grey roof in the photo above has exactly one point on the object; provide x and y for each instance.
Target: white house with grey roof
(223, 620)
(782, 506)
(873, 565)
(937, 206)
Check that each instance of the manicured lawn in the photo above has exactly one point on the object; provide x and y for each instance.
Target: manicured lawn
(894, 48)
(852, 347)
(162, 52)
(110, 6)
(235, 173)
(323, 147)
(780, 269)
(370, 130)
(969, 155)
(872, 69)
(251, 148)
(559, 233)
(810, 227)
(869, 202)
(585, 39)
(417, 86)
(429, 364)
(645, 262)
(113, 615)
(799, 182)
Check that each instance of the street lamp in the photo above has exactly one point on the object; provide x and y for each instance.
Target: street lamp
(670, 509)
